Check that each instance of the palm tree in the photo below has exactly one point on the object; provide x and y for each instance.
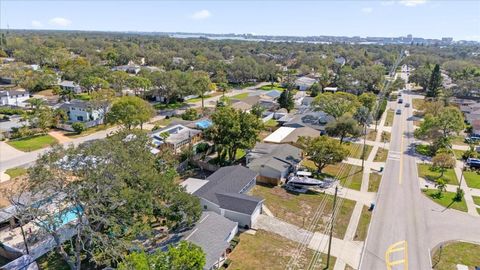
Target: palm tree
(36, 103)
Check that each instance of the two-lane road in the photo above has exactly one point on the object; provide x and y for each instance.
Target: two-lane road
(397, 237)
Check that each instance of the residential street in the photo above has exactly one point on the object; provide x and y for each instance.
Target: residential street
(406, 225)
(11, 158)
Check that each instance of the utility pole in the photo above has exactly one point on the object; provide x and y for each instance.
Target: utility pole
(331, 228)
(364, 142)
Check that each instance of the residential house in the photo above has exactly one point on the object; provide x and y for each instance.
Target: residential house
(213, 234)
(340, 60)
(273, 162)
(70, 86)
(176, 137)
(476, 127)
(247, 103)
(309, 118)
(16, 97)
(132, 69)
(304, 83)
(291, 134)
(225, 194)
(84, 111)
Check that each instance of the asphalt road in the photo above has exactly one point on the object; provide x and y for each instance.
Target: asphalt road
(398, 236)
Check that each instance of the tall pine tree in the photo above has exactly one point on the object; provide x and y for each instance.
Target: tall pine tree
(286, 100)
(435, 82)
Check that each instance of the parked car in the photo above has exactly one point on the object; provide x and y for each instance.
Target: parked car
(407, 105)
(473, 162)
(399, 111)
(400, 100)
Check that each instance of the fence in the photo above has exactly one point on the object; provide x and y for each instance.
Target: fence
(89, 124)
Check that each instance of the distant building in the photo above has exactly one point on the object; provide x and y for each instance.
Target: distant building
(132, 69)
(70, 86)
(14, 98)
(304, 83)
(176, 137)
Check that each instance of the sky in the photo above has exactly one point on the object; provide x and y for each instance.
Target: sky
(421, 18)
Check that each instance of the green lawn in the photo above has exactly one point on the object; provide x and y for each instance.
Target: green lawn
(374, 182)
(381, 155)
(476, 200)
(455, 253)
(266, 250)
(271, 123)
(169, 106)
(423, 149)
(274, 87)
(458, 154)
(459, 140)
(298, 209)
(417, 103)
(426, 171)
(15, 172)
(240, 96)
(83, 96)
(193, 100)
(362, 228)
(355, 149)
(446, 200)
(472, 178)
(389, 119)
(33, 143)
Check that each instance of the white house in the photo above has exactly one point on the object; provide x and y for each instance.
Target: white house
(14, 98)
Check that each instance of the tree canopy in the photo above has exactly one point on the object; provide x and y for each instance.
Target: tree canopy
(130, 112)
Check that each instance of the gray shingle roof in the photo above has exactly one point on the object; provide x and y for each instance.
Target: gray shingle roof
(211, 234)
(275, 156)
(230, 179)
(238, 202)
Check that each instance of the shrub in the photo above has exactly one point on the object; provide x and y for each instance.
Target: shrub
(202, 147)
(22, 132)
(190, 115)
(79, 127)
(10, 111)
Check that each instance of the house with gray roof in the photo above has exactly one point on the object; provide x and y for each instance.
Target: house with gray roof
(70, 86)
(213, 234)
(273, 162)
(17, 97)
(225, 194)
(307, 117)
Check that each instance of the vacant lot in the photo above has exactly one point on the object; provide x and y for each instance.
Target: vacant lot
(417, 103)
(298, 209)
(362, 229)
(428, 172)
(455, 253)
(446, 200)
(266, 250)
(389, 119)
(33, 143)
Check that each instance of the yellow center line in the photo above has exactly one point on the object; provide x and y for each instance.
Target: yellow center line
(396, 262)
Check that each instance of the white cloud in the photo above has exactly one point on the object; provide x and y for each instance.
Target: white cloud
(59, 21)
(37, 24)
(201, 14)
(387, 3)
(412, 3)
(367, 10)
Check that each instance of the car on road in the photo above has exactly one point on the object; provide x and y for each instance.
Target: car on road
(407, 105)
(399, 111)
(400, 100)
